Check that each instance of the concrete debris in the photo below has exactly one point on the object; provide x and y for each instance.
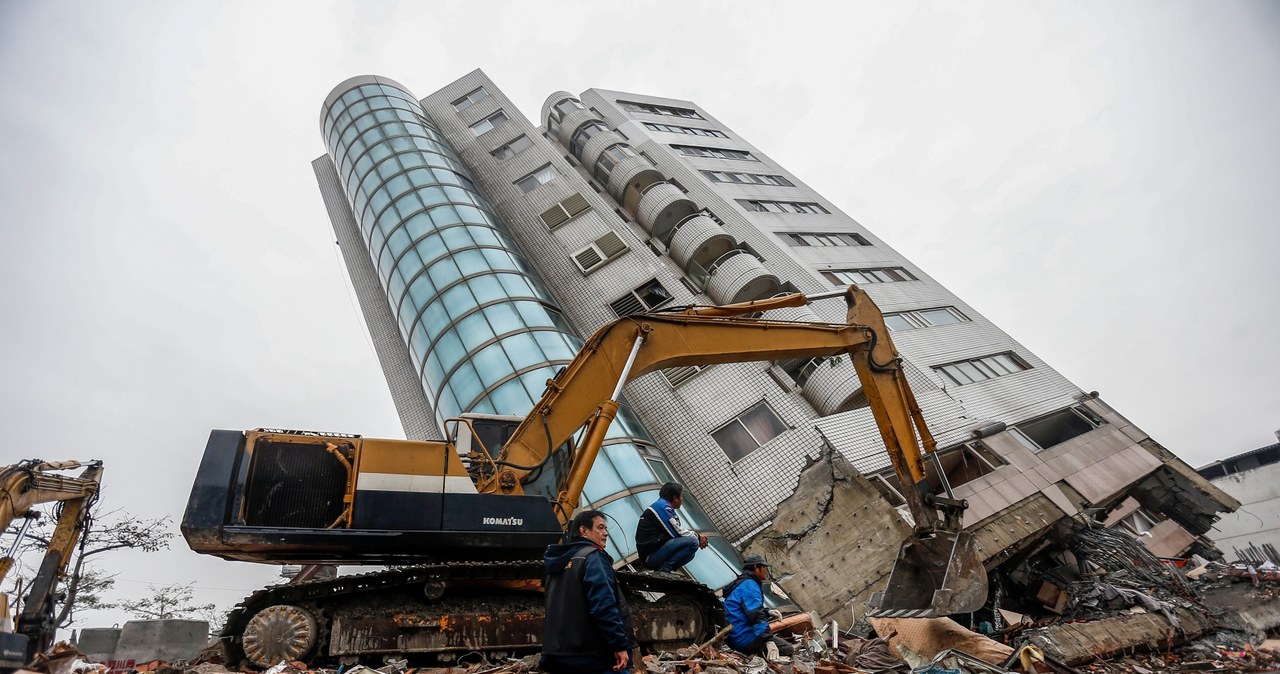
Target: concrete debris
(931, 636)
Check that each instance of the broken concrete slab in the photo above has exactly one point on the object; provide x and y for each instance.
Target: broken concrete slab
(1077, 643)
(834, 541)
(929, 637)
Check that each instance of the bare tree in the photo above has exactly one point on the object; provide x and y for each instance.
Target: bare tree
(114, 530)
(169, 601)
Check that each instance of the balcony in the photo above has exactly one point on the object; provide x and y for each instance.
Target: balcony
(697, 239)
(570, 123)
(591, 150)
(832, 388)
(628, 180)
(738, 276)
(661, 206)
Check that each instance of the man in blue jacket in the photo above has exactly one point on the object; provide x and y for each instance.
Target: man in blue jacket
(744, 607)
(662, 542)
(588, 625)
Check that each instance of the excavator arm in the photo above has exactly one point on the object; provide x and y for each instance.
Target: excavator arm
(939, 570)
(23, 486)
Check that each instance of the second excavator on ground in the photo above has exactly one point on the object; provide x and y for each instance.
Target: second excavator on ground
(471, 515)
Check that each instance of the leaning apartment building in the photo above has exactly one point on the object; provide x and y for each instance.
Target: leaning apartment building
(483, 247)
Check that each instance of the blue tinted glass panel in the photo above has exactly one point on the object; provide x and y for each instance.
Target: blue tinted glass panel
(450, 350)
(465, 382)
(601, 482)
(492, 364)
(627, 461)
(503, 317)
(523, 350)
(554, 345)
(511, 398)
(431, 248)
(486, 288)
(622, 513)
(458, 300)
(443, 272)
(715, 566)
(474, 330)
(470, 261)
(458, 237)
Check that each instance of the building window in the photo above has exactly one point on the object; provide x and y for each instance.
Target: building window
(747, 178)
(646, 298)
(762, 206)
(489, 123)
(567, 106)
(748, 431)
(584, 134)
(470, 99)
(687, 130)
(515, 147)
(599, 252)
(967, 463)
(564, 211)
(823, 239)
(537, 179)
(924, 318)
(713, 152)
(864, 276)
(1138, 522)
(981, 369)
(666, 110)
(1057, 428)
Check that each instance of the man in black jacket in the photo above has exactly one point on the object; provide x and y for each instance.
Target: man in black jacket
(588, 627)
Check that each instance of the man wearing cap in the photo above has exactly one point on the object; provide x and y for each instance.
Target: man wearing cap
(744, 607)
(661, 541)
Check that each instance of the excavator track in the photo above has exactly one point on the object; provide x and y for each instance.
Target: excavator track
(441, 612)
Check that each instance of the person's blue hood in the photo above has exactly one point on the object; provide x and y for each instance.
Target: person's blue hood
(559, 554)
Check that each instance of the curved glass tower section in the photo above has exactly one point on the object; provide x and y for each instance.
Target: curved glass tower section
(482, 331)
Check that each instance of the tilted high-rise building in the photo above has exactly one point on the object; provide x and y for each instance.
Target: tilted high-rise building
(482, 247)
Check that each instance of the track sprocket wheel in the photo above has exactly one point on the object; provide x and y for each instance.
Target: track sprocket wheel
(280, 632)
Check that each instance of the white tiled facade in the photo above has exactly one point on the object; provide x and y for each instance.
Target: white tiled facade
(740, 495)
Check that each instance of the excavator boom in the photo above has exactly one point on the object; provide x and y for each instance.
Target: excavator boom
(23, 486)
(939, 571)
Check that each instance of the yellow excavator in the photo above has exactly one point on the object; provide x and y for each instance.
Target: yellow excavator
(472, 514)
(23, 486)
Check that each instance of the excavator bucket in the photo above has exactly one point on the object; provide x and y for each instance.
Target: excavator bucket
(937, 575)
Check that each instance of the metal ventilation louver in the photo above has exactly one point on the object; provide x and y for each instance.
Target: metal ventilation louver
(564, 211)
(678, 375)
(628, 305)
(600, 251)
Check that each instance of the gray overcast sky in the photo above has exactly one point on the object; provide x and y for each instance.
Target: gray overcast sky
(1098, 178)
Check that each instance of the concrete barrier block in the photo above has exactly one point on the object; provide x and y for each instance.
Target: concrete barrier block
(167, 640)
(98, 643)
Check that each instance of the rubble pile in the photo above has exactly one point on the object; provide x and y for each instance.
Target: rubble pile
(1092, 601)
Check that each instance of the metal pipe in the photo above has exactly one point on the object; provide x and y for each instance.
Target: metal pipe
(626, 369)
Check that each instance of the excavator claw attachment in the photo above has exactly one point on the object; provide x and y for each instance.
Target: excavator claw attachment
(936, 574)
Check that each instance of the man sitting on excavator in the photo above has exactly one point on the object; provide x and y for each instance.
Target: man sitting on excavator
(661, 541)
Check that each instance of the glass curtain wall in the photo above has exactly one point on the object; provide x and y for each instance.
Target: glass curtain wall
(481, 328)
